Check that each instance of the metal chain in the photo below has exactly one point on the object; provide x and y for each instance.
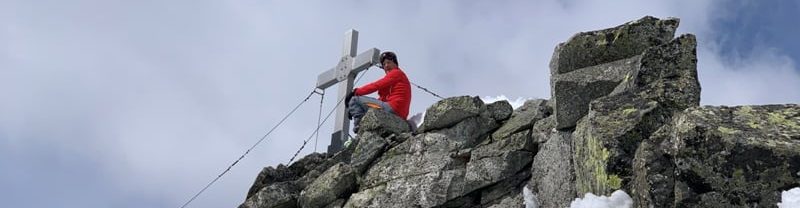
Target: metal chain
(316, 131)
(319, 117)
(248, 150)
(428, 91)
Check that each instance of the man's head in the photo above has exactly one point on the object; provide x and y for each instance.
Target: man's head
(388, 61)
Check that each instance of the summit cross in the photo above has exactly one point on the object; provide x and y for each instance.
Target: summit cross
(345, 71)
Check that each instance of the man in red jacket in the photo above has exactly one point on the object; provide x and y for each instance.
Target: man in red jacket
(394, 92)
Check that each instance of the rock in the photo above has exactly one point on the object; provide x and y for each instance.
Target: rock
(339, 203)
(493, 162)
(338, 181)
(365, 198)
(422, 154)
(553, 176)
(654, 178)
(342, 156)
(499, 111)
(606, 139)
(270, 175)
(275, 195)
(508, 188)
(542, 129)
(469, 132)
(450, 111)
(573, 91)
(603, 46)
(368, 149)
(425, 190)
(744, 156)
(668, 74)
(498, 194)
(281, 173)
(524, 117)
(384, 122)
(509, 201)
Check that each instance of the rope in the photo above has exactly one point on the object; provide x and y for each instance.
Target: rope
(316, 131)
(428, 91)
(248, 150)
(321, 98)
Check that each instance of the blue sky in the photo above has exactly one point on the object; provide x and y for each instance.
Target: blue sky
(141, 103)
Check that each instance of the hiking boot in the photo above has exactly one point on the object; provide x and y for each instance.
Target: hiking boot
(356, 123)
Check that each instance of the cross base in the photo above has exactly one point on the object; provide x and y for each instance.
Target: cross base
(337, 142)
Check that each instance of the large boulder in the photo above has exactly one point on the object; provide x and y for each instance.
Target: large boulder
(283, 173)
(492, 162)
(383, 122)
(603, 46)
(370, 146)
(337, 182)
(417, 172)
(499, 111)
(270, 175)
(722, 157)
(573, 91)
(450, 111)
(274, 195)
(553, 176)
(606, 139)
(431, 169)
(592, 64)
(524, 117)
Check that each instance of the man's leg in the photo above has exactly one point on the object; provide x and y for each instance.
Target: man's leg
(359, 105)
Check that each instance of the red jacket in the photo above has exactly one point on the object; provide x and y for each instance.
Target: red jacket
(394, 89)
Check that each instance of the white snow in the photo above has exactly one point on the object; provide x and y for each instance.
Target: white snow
(417, 119)
(790, 198)
(530, 199)
(516, 103)
(618, 199)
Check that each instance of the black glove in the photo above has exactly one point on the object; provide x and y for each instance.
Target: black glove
(347, 102)
(349, 96)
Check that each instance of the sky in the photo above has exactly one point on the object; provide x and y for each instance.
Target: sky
(142, 103)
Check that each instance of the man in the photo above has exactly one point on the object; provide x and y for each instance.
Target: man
(394, 92)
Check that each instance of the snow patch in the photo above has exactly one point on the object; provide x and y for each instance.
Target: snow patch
(618, 199)
(530, 199)
(416, 119)
(790, 198)
(516, 103)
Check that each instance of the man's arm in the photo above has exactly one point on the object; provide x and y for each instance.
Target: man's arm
(390, 79)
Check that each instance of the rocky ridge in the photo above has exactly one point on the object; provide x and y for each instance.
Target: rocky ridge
(624, 115)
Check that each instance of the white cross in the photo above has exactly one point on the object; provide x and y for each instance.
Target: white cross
(347, 69)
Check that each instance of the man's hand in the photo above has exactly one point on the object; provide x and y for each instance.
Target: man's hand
(349, 96)
(347, 102)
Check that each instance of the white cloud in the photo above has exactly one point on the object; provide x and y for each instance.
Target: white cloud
(162, 96)
(762, 77)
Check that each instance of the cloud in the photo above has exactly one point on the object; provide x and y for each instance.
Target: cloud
(142, 103)
(761, 77)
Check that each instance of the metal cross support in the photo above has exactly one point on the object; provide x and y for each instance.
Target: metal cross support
(349, 66)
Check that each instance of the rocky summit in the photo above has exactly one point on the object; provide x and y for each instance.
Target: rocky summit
(624, 114)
